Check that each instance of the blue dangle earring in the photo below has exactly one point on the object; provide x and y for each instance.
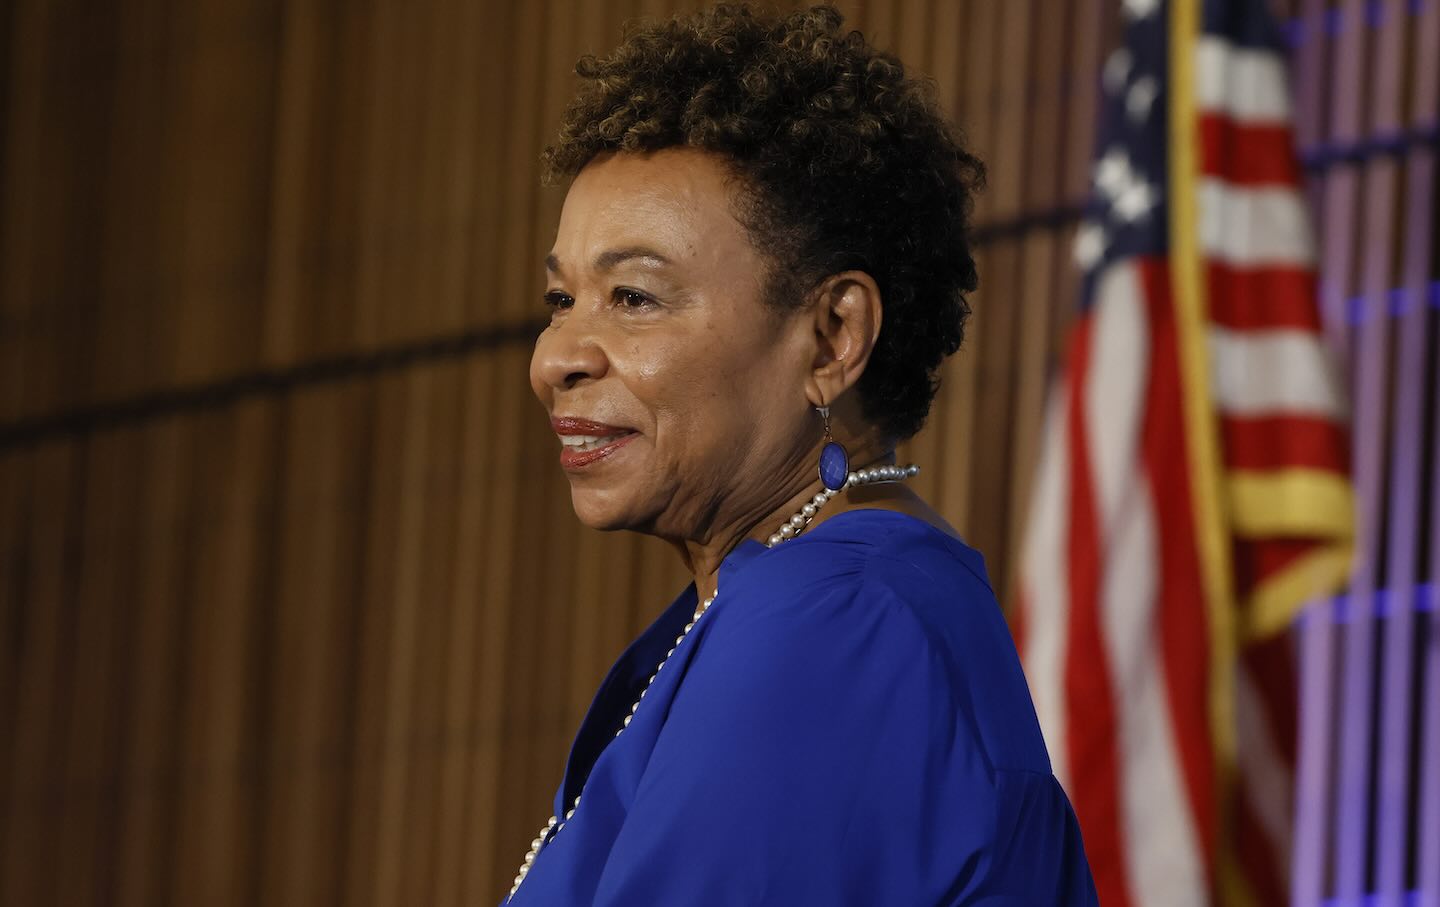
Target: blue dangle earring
(835, 474)
(834, 461)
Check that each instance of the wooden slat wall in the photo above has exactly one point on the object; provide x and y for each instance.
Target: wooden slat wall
(293, 607)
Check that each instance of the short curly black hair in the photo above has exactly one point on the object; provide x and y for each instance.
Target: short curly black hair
(844, 163)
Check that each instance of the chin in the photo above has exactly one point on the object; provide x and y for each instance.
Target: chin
(602, 510)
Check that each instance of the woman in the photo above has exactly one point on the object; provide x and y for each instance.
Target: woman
(760, 265)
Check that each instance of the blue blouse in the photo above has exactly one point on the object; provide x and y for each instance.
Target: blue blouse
(847, 725)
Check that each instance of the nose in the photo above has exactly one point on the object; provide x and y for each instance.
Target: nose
(566, 353)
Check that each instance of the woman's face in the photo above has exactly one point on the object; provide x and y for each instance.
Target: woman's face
(660, 336)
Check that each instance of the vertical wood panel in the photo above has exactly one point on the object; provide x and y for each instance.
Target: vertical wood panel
(30, 867)
(90, 748)
(149, 760)
(16, 503)
(1039, 267)
(996, 322)
(225, 577)
(465, 655)
(958, 403)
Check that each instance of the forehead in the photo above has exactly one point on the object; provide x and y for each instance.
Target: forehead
(678, 201)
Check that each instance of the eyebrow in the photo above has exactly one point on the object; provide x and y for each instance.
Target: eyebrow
(607, 260)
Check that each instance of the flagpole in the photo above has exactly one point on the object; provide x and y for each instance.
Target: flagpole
(1187, 279)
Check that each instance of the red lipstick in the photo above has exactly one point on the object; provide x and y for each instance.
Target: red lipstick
(601, 440)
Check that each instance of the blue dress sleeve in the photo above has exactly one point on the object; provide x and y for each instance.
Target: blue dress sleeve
(817, 752)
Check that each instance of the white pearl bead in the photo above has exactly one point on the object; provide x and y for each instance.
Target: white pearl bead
(689, 625)
(787, 531)
(797, 521)
(853, 478)
(820, 498)
(776, 539)
(627, 720)
(679, 639)
(807, 510)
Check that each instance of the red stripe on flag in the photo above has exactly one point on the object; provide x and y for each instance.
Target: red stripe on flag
(1247, 154)
(1256, 560)
(1271, 666)
(1256, 852)
(1283, 442)
(1091, 727)
(1184, 625)
(1264, 298)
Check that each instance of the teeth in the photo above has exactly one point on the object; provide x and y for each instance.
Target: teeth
(587, 442)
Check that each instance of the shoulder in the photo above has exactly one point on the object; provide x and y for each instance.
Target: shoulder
(879, 599)
(870, 554)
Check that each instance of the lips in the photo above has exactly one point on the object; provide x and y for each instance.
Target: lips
(584, 441)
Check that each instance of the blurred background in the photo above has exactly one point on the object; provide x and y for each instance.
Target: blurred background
(293, 605)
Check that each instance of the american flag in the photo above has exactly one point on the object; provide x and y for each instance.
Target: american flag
(1192, 490)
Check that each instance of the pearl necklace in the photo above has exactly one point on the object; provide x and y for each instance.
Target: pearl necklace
(788, 530)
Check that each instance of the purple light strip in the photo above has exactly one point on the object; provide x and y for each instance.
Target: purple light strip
(1370, 365)
(1428, 830)
(1427, 105)
(1393, 792)
(1400, 300)
(1409, 899)
(1300, 29)
(1319, 156)
(1420, 599)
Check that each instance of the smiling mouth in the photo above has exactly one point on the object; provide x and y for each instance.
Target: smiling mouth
(585, 443)
(578, 451)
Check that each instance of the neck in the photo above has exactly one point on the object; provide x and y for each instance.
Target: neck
(703, 558)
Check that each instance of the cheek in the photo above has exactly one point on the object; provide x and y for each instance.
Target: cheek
(683, 384)
(713, 393)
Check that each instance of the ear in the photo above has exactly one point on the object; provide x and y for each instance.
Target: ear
(847, 316)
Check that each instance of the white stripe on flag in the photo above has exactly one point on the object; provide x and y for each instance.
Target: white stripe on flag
(1267, 781)
(1163, 858)
(1250, 227)
(1244, 84)
(1115, 386)
(1273, 373)
(1045, 582)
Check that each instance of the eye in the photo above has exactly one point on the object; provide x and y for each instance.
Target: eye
(632, 299)
(558, 300)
